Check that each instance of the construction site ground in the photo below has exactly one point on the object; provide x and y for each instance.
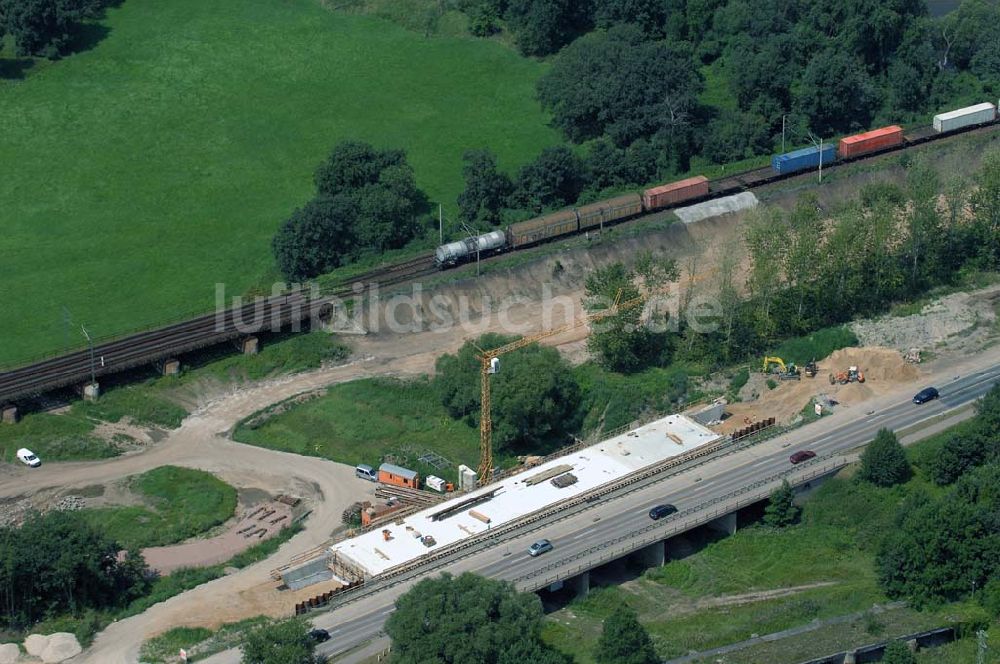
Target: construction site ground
(203, 441)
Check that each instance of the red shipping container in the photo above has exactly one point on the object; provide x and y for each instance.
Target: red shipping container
(870, 141)
(675, 192)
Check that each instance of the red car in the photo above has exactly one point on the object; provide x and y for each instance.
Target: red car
(801, 455)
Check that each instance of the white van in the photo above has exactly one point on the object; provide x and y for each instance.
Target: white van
(366, 472)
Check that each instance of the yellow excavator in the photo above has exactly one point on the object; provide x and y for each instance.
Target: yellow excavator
(776, 365)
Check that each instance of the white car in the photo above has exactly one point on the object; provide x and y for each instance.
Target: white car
(28, 457)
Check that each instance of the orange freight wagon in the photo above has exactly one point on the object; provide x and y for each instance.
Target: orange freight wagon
(675, 192)
(392, 474)
(870, 141)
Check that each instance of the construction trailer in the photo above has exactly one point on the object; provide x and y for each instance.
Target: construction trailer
(389, 473)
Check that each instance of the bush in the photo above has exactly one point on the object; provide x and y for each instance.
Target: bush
(781, 510)
(883, 463)
(897, 652)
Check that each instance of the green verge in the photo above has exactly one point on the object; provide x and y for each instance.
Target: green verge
(723, 592)
(364, 420)
(202, 123)
(163, 648)
(182, 503)
(817, 345)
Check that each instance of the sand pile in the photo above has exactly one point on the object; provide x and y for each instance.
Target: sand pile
(877, 364)
(884, 370)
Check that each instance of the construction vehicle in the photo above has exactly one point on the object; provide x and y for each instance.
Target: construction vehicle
(852, 375)
(776, 365)
(811, 369)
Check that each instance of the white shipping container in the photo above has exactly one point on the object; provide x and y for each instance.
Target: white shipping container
(435, 483)
(963, 117)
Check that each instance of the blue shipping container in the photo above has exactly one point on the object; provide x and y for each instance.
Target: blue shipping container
(799, 160)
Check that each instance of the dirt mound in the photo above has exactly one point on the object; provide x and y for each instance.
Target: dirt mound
(884, 370)
(877, 364)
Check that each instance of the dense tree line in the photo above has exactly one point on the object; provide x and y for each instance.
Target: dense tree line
(943, 547)
(627, 77)
(57, 563)
(45, 27)
(811, 269)
(366, 201)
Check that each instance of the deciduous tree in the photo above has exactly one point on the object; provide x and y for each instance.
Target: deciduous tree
(781, 510)
(45, 27)
(486, 188)
(624, 640)
(883, 463)
(282, 642)
(467, 619)
(621, 84)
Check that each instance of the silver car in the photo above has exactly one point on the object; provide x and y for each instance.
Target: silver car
(539, 547)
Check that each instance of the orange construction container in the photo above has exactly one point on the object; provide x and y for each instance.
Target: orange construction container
(675, 192)
(392, 474)
(870, 141)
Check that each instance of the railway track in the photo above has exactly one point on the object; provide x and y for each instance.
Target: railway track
(277, 312)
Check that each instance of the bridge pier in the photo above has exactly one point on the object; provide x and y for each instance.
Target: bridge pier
(724, 524)
(170, 367)
(9, 415)
(91, 391)
(250, 346)
(581, 584)
(653, 555)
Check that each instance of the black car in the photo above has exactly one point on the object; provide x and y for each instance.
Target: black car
(925, 395)
(319, 635)
(661, 511)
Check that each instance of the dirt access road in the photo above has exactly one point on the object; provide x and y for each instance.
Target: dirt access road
(202, 442)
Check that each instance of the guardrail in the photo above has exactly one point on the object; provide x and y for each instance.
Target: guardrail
(661, 530)
(551, 514)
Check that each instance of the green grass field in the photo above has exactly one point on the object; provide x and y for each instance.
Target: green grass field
(363, 420)
(158, 163)
(180, 503)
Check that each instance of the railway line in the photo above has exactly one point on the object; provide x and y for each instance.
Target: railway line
(277, 312)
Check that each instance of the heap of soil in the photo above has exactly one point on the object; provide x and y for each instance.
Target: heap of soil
(884, 370)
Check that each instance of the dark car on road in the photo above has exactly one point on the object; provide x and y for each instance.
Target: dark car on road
(319, 635)
(661, 511)
(925, 395)
(539, 547)
(802, 455)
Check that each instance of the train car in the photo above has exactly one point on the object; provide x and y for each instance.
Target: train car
(800, 160)
(964, 117)
(542, 228)
(675, 192)
(609, 211)
(453, 253)
(870, 141)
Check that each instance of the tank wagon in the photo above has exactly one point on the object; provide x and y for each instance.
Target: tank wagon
(671, 194)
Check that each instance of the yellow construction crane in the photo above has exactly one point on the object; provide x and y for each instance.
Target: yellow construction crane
(490, 362)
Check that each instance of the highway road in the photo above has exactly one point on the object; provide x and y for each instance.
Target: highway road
(360, 621)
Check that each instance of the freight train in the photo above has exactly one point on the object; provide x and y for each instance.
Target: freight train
(692, 190)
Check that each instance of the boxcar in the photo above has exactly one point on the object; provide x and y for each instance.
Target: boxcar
(611, 210)
(541, 228)
(800, 160)
(675, 192)
(870, 141)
